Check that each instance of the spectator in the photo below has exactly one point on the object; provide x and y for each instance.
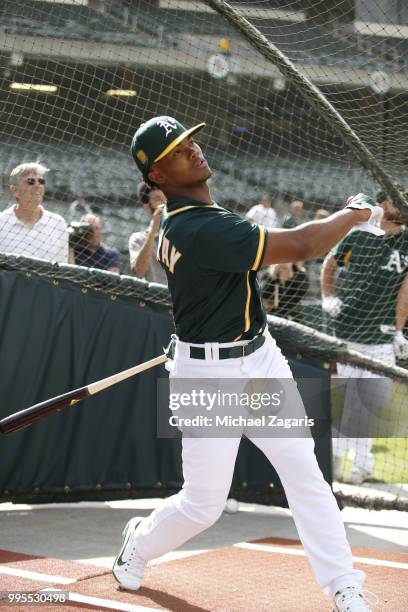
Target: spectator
(26, 227)
(321, 213)
(315, 265)
(283, 287)
(143, 245)
(263, 213)
(93, 253)
(78, 208)
(296, 215)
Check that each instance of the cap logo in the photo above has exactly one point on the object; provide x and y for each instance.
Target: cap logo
(141, 156)
(168, 124)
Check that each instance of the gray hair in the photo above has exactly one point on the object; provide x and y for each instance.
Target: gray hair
(26, 168)
(89, 218)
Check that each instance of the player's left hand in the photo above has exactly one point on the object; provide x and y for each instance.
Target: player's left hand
(400, 344)
(362, 201)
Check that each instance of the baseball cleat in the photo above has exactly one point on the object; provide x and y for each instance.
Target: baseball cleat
(351, 599)
(128, 567)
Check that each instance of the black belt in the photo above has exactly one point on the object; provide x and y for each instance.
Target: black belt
(232, 352)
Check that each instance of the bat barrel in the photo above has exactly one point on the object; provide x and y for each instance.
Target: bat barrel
(21, 419)
(26, 417)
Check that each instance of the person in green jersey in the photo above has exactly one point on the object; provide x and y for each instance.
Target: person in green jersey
(295, 217)
(211, 257)
(369, 309)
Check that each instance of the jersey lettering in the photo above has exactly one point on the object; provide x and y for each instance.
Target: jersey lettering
(174, 257)
(169, 255)
(394, 263)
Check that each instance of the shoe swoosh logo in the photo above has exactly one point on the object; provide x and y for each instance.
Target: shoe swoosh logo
(119, 560)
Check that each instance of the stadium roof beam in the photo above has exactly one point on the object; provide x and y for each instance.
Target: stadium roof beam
(250, 64)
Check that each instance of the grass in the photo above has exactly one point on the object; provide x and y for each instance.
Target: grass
(391, 452)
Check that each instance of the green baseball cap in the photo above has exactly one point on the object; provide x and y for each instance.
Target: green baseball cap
(157, 137)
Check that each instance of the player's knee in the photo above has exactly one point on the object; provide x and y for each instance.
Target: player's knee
(210, 515)
(203, 510)
(297, 450)
(300, 459)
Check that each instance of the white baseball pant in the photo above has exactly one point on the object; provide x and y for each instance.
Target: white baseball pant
(365, 394)
(208, 465)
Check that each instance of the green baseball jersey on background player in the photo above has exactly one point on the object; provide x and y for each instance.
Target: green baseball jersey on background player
(211, 257)
(290, 222)
(376, 268)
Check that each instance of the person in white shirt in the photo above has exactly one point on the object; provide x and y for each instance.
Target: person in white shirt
(263, 213)
(26, 227)
(143, 244)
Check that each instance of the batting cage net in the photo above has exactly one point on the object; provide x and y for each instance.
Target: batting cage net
(306, 103)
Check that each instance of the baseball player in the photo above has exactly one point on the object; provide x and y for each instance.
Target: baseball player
(369, 311)
(211, 257)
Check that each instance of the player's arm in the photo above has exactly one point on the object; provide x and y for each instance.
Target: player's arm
(311, 239)
(328, 276)
(331, 304)
(230, 243)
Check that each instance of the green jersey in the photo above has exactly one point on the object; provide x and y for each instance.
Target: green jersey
(290, 222)
(375, 269)
(211, 257)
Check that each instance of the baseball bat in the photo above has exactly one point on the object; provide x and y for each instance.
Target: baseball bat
(26, 417)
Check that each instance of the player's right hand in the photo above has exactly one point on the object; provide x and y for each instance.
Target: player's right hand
(361, 201)
(332, 305)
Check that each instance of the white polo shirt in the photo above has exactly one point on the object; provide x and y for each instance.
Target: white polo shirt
(263, 216)
(47, 239)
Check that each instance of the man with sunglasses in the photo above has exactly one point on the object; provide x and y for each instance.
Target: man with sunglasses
(211, 257)
(26, 227)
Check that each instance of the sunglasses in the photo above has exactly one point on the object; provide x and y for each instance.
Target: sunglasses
(33, 181)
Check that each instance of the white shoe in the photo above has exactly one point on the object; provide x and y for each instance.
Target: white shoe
(358, 476)
(351, 599)
(128, 567)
